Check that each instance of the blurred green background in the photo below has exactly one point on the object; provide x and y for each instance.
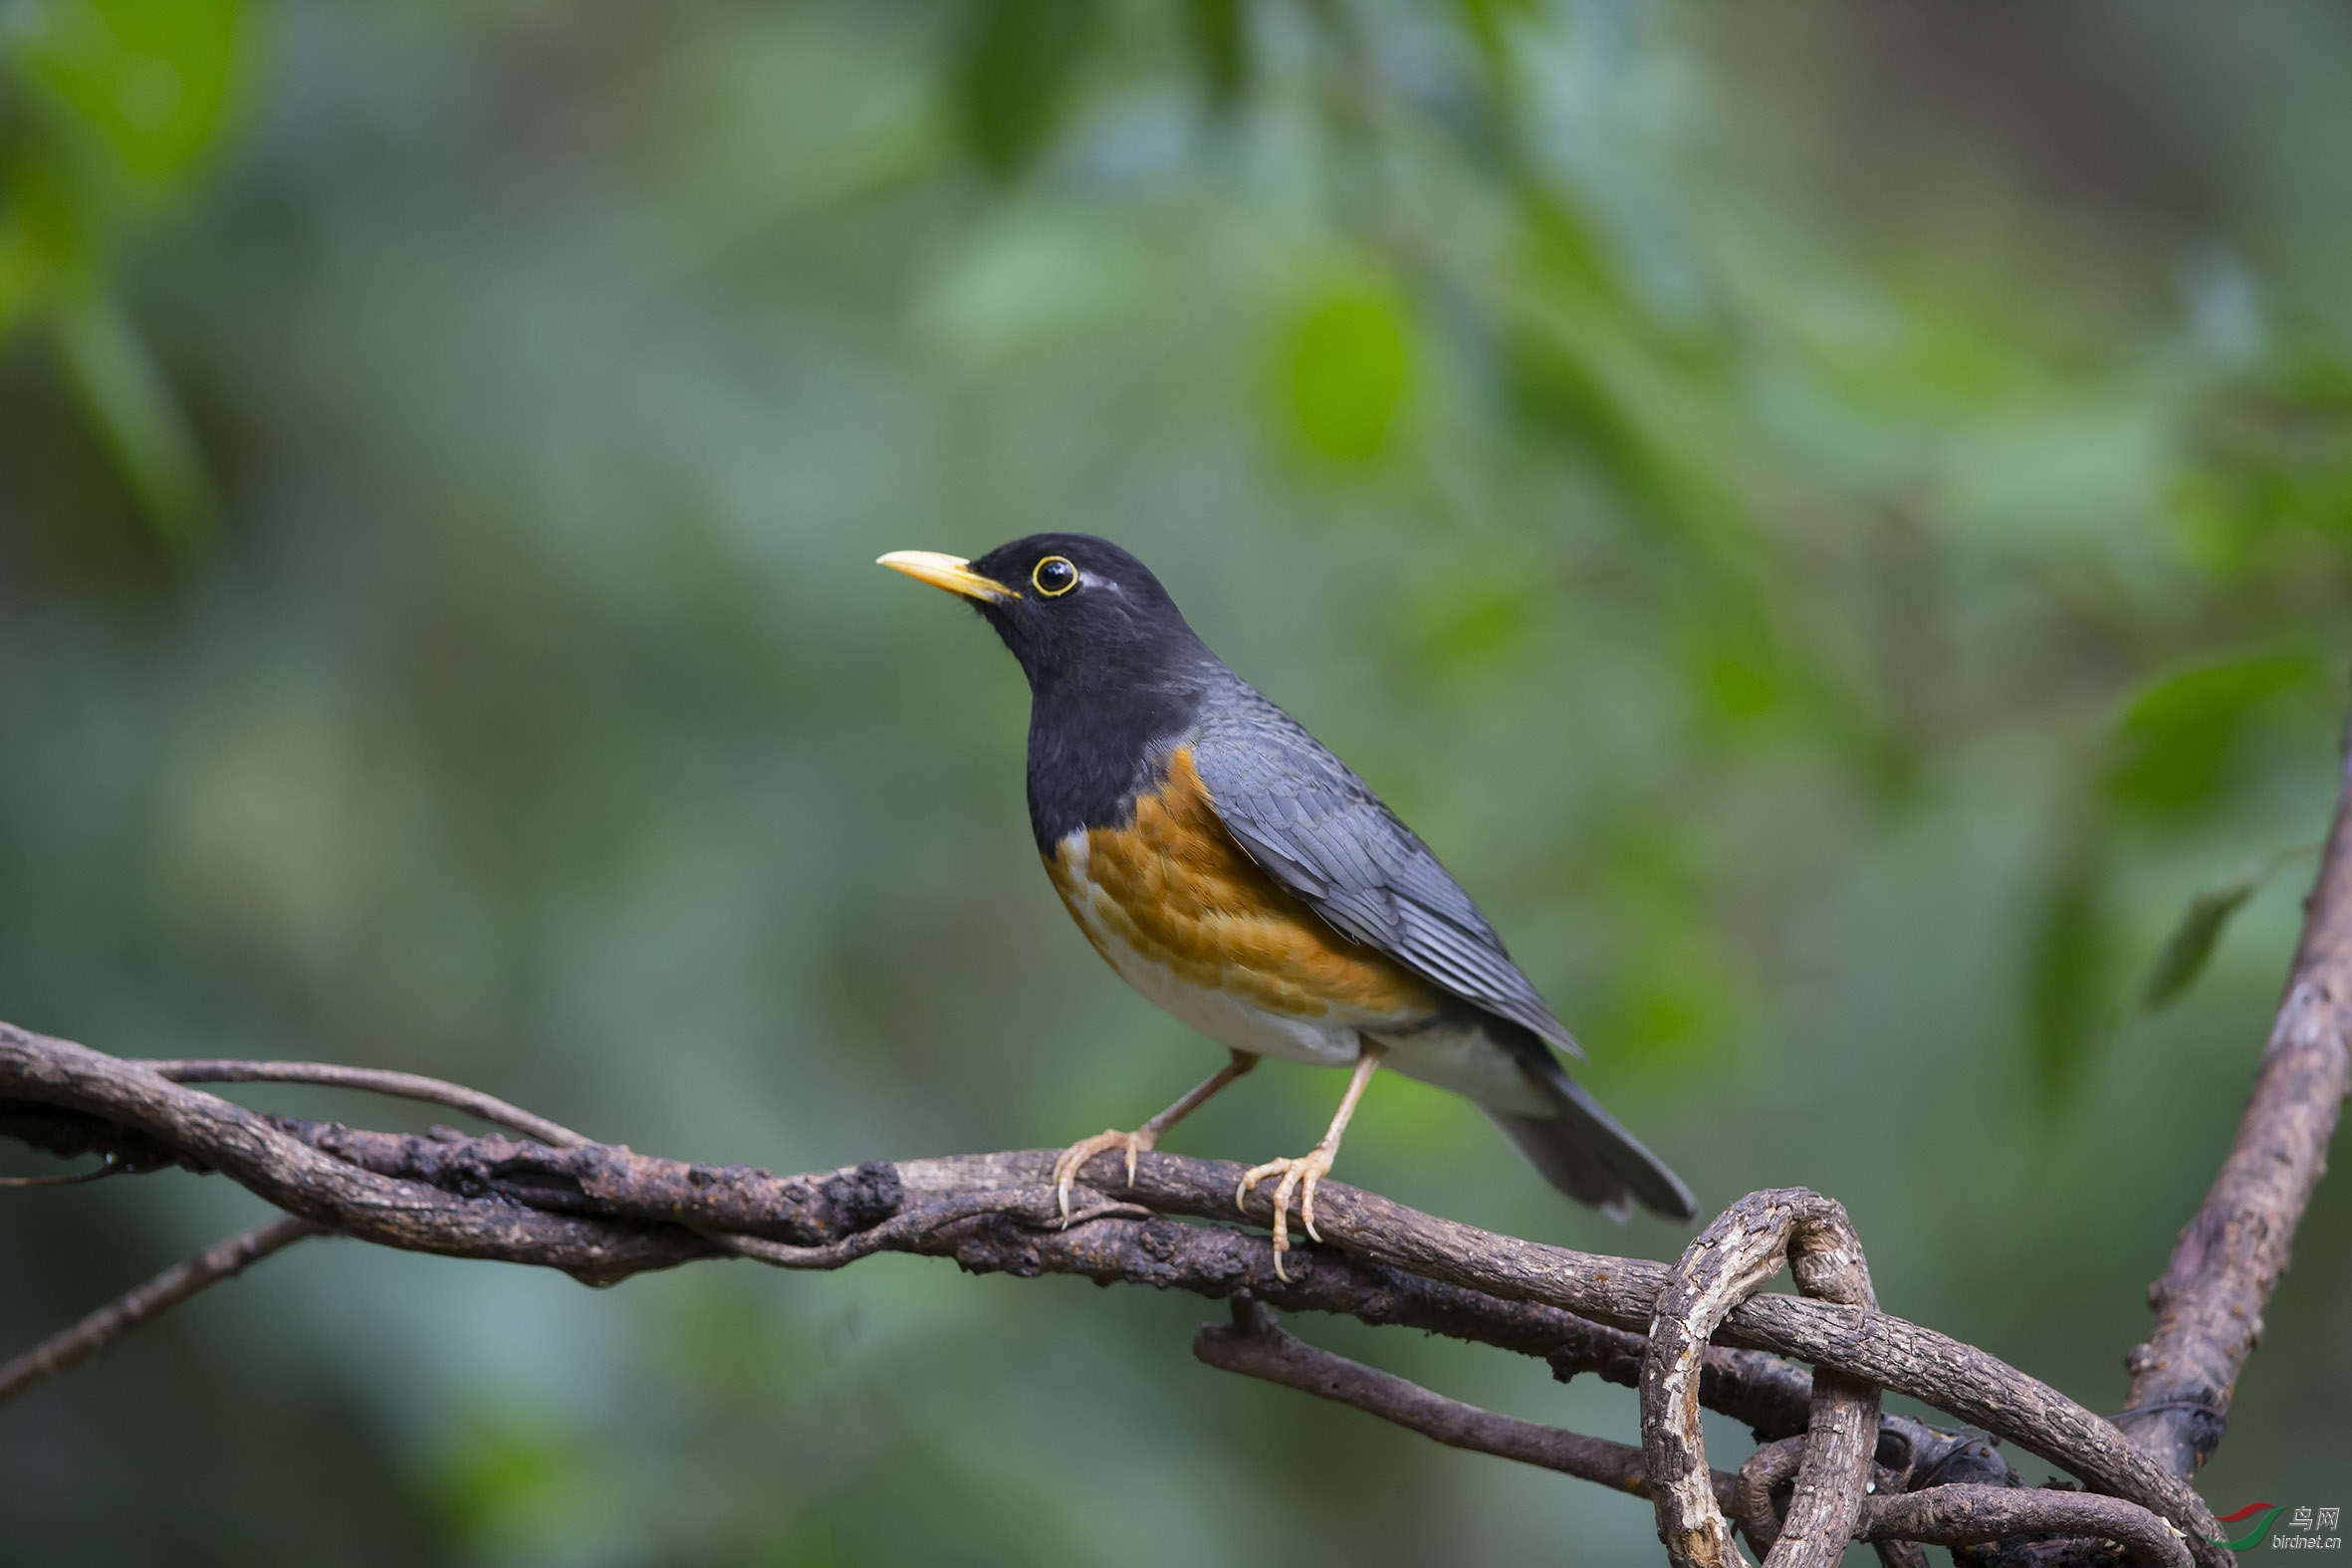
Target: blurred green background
(1832, 517)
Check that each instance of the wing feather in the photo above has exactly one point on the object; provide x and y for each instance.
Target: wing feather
(1318, 830)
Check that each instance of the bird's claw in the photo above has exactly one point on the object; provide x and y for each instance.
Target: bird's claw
(1073, 1159)
(1299, 1175)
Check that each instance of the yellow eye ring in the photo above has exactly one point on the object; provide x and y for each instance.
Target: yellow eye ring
(1054, 576)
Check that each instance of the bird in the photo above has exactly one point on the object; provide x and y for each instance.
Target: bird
(1234, 871)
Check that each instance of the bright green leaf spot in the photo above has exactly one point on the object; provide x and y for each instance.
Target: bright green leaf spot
(152, 78)
(1348, 373)
(1740, 683)
(514, 1484)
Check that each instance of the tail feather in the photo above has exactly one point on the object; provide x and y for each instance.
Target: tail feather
(1581, 1150)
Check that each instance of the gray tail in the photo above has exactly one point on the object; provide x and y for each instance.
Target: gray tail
(1582, 1151)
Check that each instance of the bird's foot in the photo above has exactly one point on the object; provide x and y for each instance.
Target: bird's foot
(1301, 1176)
(1073, 1159)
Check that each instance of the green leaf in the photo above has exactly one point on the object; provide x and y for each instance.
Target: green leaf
(1349, 371)
(1558, 390)
(2173, 744)
(1485, 22)
(20, 272)
(153, 78)
(2192, 943)
(1737, 672)
(514, 1480)
(1218, 34)
(126, 392)
(1582, 365)
(2069, 986)
(1013, 80)
(1470, 624)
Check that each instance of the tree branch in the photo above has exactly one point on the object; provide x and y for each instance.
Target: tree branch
(1771, 1395)
(1257, 1347)
(1729, 1262)
(602, 1213)
(1960, 1515)
(67, 1348)
(1911, 1504)
(2210, 1302)
(1771, 1471)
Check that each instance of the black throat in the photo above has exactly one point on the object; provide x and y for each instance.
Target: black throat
(1099, 735)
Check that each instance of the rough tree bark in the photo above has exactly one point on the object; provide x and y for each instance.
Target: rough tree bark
(1731, 1260)
(602, 1213)
(2210, 1302)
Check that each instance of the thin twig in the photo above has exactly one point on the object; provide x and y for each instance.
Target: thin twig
(69, 1347)
(1256, 1346)
(112, 1167)
(376, 1081)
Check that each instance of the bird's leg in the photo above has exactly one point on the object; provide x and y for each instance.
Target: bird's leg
(1147, 1136)
(1302, 1173)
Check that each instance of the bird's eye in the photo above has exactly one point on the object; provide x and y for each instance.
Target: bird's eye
(1054, 576)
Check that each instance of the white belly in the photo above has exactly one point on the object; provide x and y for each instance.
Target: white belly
(1329, 1042)
(1461, 1057)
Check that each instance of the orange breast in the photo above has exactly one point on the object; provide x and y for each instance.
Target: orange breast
(1175, 889)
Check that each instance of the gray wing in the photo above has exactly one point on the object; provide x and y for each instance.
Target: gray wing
(1320, 831)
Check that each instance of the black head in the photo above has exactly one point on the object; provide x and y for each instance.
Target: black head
(1075, 610)
(1114, 673)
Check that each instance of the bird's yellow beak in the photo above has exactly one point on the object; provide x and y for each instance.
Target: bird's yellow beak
(946, 571)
